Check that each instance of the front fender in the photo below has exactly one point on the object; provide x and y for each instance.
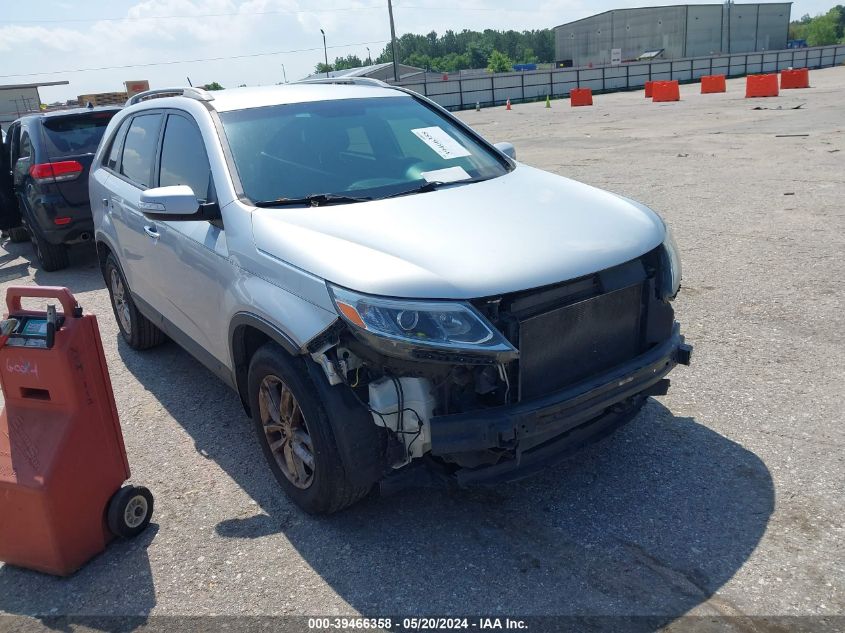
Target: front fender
(241, 346)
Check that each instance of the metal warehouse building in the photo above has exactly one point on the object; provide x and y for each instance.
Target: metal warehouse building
(19, 99)
(691, 30)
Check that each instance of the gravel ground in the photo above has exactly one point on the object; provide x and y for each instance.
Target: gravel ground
(722, 498)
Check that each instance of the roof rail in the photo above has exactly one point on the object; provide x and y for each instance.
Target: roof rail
(362, 81)
(192, 93)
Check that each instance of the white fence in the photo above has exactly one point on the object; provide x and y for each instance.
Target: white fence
(494, 89)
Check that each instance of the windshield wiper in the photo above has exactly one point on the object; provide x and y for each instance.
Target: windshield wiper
(314, 199)
(434, 184)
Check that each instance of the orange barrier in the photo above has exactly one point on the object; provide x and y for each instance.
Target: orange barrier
(761, 86)
(711, 84)
(581, 97)
(666, 91)
(797, 78)
(648, 89)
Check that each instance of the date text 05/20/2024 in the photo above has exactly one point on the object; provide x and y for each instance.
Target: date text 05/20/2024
(417, 624)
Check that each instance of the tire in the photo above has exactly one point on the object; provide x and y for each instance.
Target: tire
(18, 234)
(327, 485)
(136, 329)
(51, 257)
(129, 511)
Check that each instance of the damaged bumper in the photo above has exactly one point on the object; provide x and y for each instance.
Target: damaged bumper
(532, 434)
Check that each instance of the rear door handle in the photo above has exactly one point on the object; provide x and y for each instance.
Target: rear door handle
(151, 231)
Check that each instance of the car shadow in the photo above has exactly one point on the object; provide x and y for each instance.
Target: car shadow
(651, 521)
(91, 591)
(82, 275)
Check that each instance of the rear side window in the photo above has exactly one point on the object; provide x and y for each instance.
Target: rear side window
(113, 157)
(183, 157)
(76, 134)
(26, 146)
(139, 149)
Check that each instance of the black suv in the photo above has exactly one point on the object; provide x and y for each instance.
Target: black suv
(48, 156)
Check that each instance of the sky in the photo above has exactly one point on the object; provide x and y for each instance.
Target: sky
(99, 44)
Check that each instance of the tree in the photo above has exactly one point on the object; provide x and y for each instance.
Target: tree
(344, 63)
(797, 31)
(828, 28)
(526, 56)
(419, 60)
(821, 31)
(451, 62)
(499, 62)
(470, 49)
(213, 86)
(839, 13)
(322, 68)
(479, 52)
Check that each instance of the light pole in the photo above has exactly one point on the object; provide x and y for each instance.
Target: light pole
(369, 57)
(325, 51)
(284, 73)
(393, 42)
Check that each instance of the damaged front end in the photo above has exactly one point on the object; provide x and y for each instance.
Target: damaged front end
(494, 387)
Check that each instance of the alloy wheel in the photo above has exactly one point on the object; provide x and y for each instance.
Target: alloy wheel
(121, 301)
(286, 431)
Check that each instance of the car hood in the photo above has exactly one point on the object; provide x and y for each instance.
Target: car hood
(526, 229)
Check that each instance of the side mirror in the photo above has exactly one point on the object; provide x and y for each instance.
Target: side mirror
(507, 149)
(169, 201)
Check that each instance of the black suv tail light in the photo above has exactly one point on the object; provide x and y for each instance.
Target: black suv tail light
(56, 172)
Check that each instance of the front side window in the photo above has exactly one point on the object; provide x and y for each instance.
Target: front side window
(363, 148)
(183, 158)
(139, 149)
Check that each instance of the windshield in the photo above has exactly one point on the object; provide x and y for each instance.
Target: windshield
(75, 134)
(358, 148)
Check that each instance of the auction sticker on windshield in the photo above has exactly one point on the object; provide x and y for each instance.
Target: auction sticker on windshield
(450, 174)
(440, 141)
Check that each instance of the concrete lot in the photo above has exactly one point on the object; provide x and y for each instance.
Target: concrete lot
(723, 498)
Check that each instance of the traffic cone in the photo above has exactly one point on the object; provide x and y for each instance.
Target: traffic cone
(477, 106)
(508, 105)
(548, 101)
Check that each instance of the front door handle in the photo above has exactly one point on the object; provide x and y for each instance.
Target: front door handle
(151, 231)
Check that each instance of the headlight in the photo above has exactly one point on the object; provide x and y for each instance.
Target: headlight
(444, 325)
(670, 267)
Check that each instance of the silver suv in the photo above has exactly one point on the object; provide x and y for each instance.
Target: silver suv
(396, 301)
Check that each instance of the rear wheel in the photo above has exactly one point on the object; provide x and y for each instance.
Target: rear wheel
(18, 234)
(296, 435)
(51, 257)
(137, 330)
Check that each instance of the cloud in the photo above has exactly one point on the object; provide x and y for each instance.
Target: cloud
(20, 38)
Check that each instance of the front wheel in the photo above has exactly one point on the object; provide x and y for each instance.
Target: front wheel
(296, 434)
